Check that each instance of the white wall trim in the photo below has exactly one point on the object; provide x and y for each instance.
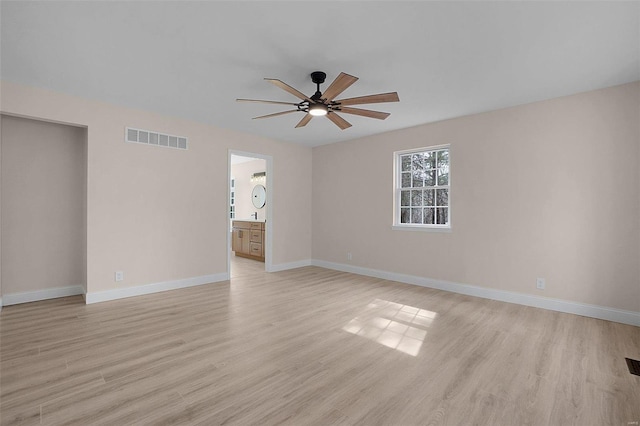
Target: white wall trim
(290, 265)
(121, 293)
(0, 304)
(34, 296)
(559, 305)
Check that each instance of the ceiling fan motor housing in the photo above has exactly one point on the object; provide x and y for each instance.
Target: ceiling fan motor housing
(318, 77)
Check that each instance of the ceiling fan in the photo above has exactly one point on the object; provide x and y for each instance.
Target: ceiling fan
(321, 104)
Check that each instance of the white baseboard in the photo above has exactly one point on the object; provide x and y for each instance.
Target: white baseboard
(121, 293)
(594, 311)
(34, 296)
(291, 265)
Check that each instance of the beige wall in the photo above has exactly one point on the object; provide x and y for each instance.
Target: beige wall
(43, 205)
(1, 210)
(160, 214)
(242, 173)
(549, 189)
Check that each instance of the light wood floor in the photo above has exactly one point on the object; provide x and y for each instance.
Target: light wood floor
(242, 267)
(312, 346)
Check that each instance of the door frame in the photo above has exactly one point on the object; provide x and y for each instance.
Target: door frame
(269, 231)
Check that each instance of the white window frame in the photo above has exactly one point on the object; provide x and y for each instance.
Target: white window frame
(397, 183)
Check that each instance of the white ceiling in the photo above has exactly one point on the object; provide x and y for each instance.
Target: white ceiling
(445, 59)
(239, 159)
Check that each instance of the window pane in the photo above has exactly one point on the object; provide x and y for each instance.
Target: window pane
(418, 179)
(428, 216)
(442, 197)
(430, 160)
(442, 216)
(416, 198)
(427, 197)
(430, 178)
(406, 163)
(406, 180)
(443, 158)
(405, 216)
(443, 176)
(416, 215)
(405, 198)
(418, 161)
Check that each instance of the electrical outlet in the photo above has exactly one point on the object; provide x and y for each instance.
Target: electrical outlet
(119, 276)
(349, 256)
(540, 283)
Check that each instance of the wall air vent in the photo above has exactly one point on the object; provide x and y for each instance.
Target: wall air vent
(149, 137)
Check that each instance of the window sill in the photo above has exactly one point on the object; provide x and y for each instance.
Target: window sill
(421, 228)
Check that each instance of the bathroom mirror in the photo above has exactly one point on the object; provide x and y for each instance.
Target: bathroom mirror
(259, 196)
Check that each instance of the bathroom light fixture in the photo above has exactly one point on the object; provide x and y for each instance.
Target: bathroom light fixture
(259, 177)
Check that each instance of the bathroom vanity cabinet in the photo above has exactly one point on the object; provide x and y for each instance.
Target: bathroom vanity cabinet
(248, 239)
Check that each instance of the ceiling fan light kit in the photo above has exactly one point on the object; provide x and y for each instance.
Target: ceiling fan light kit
(318, 110)
(324, 104)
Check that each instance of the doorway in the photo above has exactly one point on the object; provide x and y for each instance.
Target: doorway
(250, 218)
(43, 240)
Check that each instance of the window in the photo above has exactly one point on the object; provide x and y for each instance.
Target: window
(421, 188)
(232, 199)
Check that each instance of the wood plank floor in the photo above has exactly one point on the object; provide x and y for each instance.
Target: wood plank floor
(312, 347)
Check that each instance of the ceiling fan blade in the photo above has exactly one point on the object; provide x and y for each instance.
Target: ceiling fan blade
(370, 99)
(338, 121)
(276, 114)
(266, 102)
(286, 87)
(306, 119)
(365, 113)
(339, 85)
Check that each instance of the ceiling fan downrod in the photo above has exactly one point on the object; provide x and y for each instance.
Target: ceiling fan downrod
(318, 78)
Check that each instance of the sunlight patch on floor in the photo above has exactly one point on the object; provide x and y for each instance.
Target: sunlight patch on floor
(396, 326)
